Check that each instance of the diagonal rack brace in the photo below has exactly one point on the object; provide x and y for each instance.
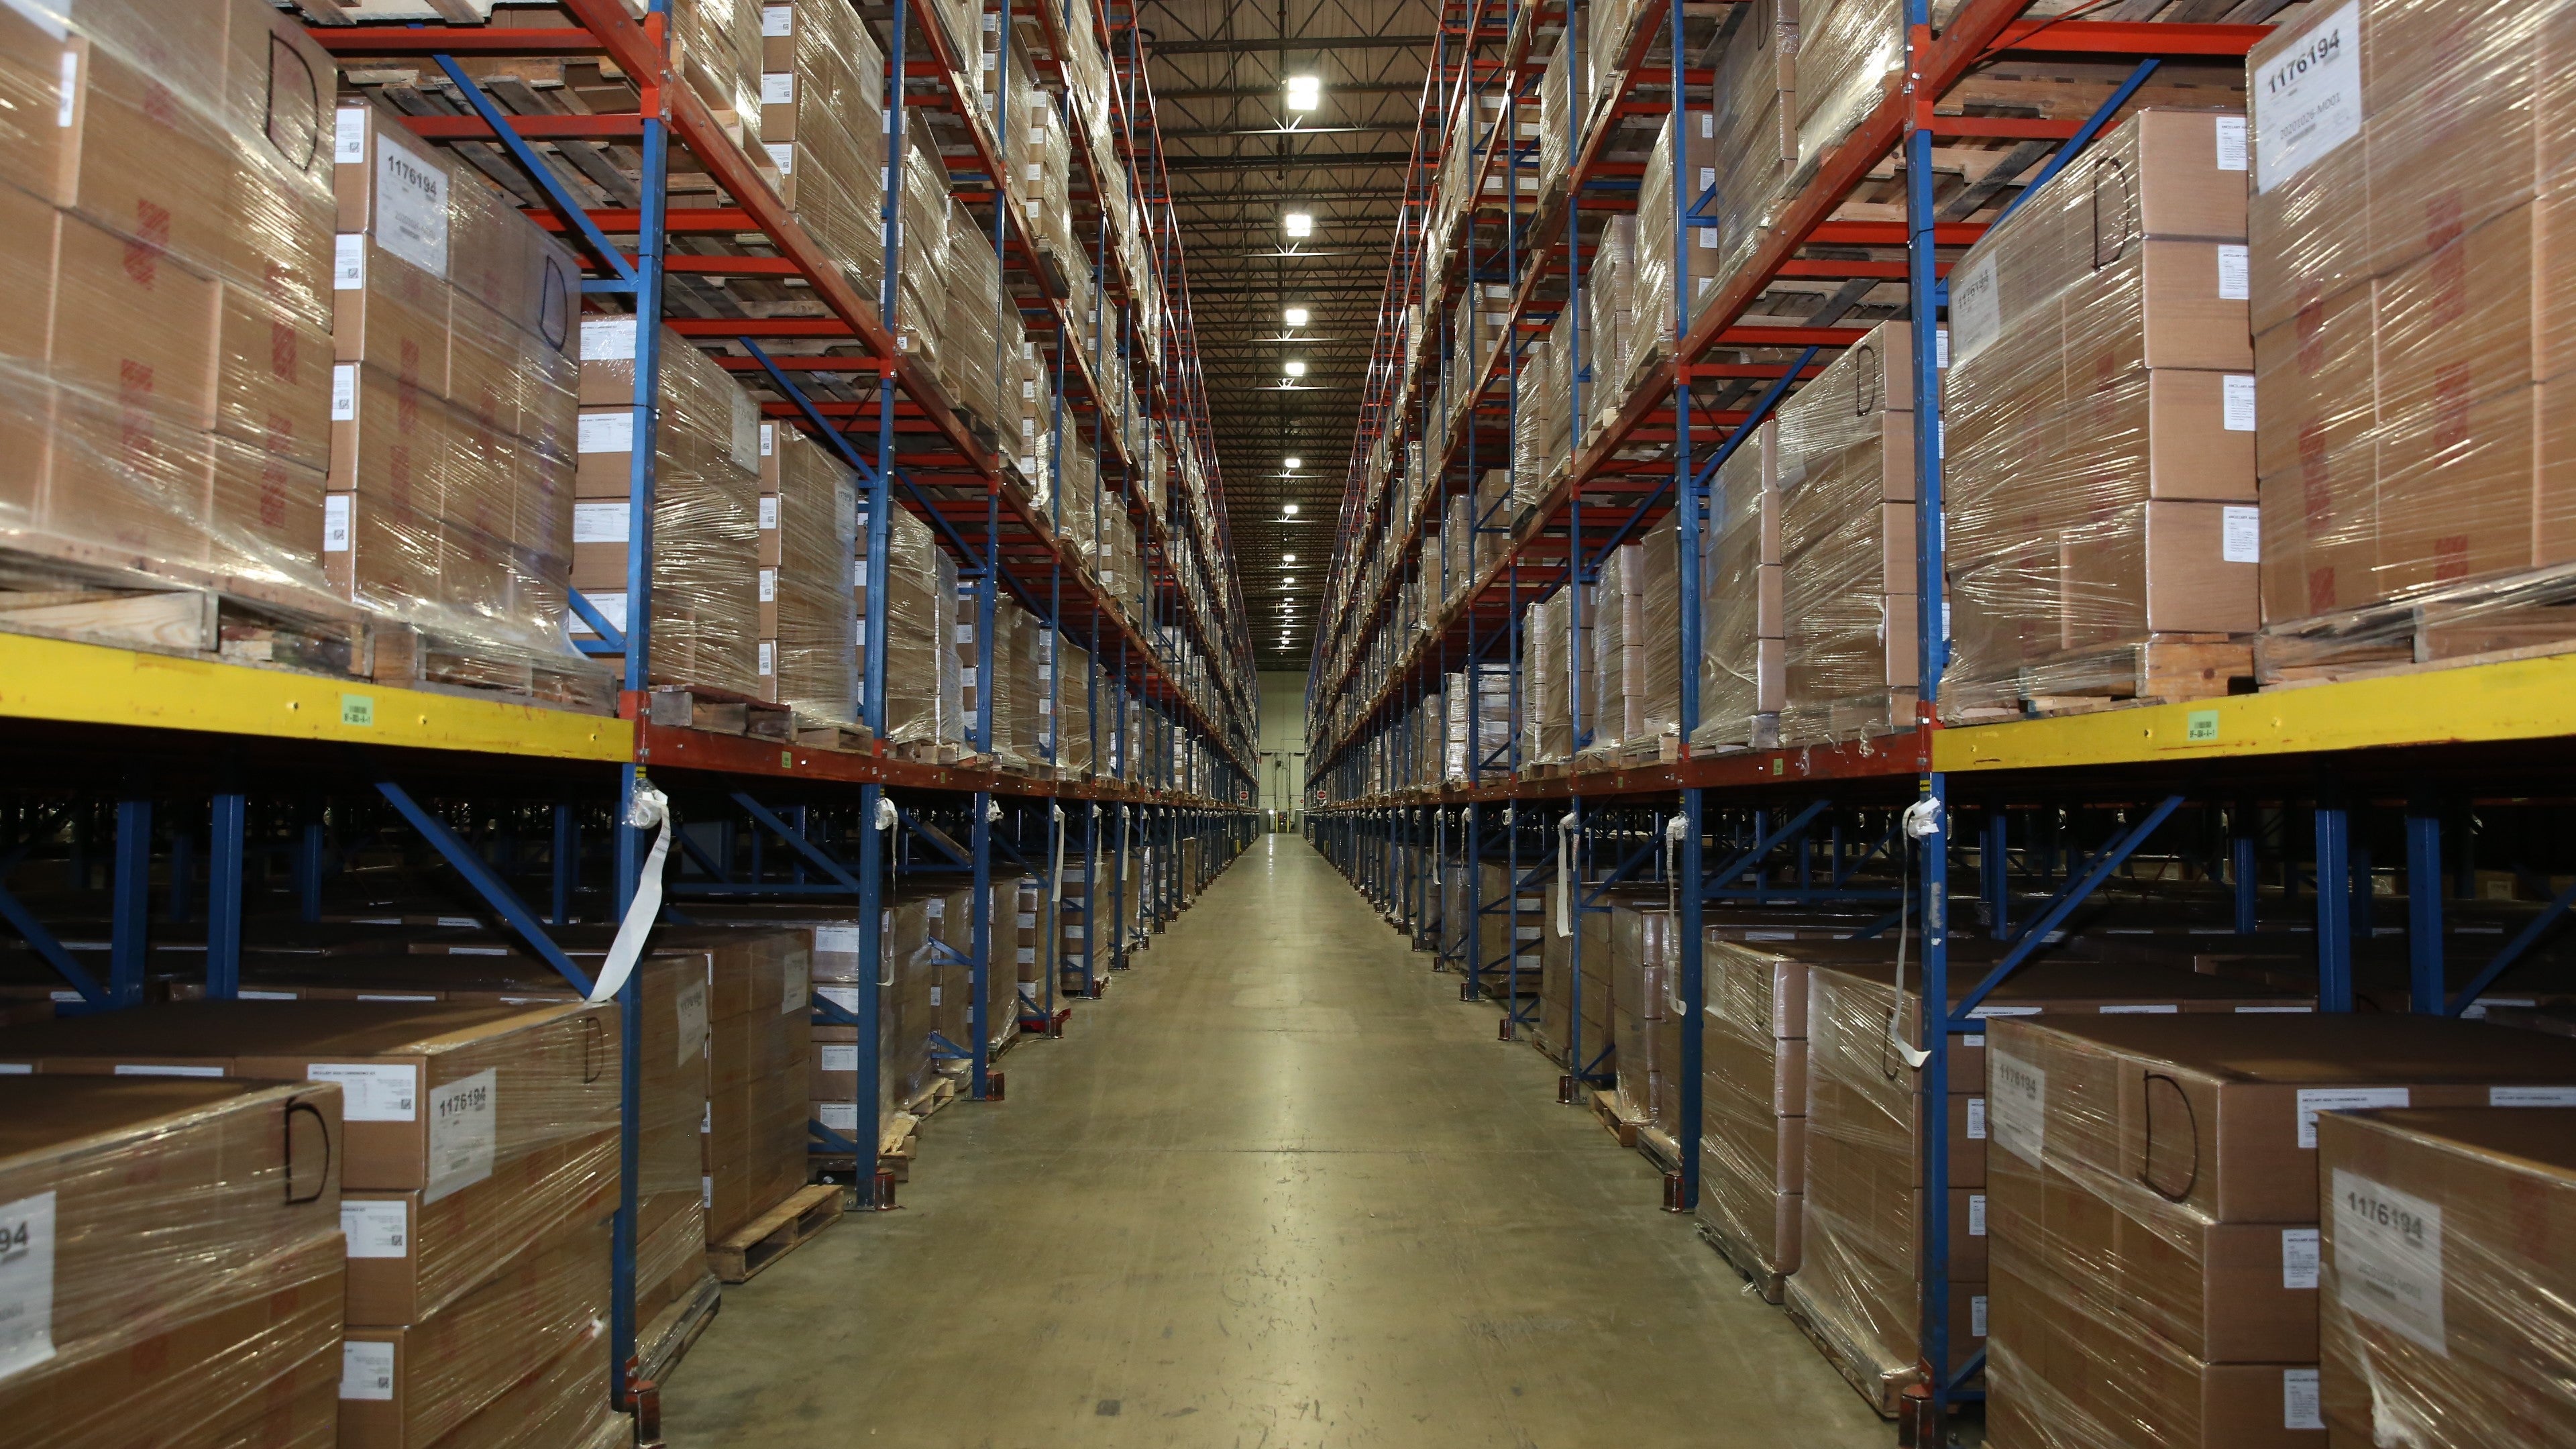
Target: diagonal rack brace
(486, 881)
(566, 207)
(2041, 927)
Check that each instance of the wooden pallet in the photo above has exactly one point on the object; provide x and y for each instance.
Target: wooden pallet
(409, 658)
(60, 590)
(718, 711)
(929, 752)
(1769, 1284)
(662, 1343)
(774, 1234)
(1605, 1105)
(1880, 1390)
(845, 739)
(2291, 660)
(2165, 669)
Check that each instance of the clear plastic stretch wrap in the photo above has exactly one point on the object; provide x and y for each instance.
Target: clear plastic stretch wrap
(923, 690)
(706, 508)
(823, 126)
(808, 623)
(1755, 145)
(1069, 704)
(1611, 25)
(1537, 398)
(1654, 245)
(716, 48)
(1547, 735)
(2100, 436)
(188, 1237)
(969, 361)
(1645, 972)
(1742, 628)
(1611, 321)
(1559, 107)
(1618, 638)
(1753, 1105)
(1034, 411)
(172, 222)
(922, 298)
(2412, 316)
(1848, 51)
(2442, 1329)
(453, 436)
(1845, 456)
(2155, 1221)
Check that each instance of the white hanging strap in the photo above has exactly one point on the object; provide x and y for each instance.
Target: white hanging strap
(1673, 832)
(1922, 822)
(648, 810)
(992, 809)
(1055, 877)
(887, 815)
(1564, 874)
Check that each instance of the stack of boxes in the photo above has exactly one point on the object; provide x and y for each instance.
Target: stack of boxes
(809, 545)
(2409, 312)
(2156, 1224)
(822, 93)
(924, 691)
(188, 1236)
(167, 366)
(452, 428)
(706, 508)
(2100, 424)
(1845, 459)
(1633, 676)
(1654, 308)
(477, 1173)
(1743, 665)
(759, 1034)
(1753, 1107)
(1645, 976)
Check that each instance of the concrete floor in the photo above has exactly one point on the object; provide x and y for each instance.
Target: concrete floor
(1281, 1188)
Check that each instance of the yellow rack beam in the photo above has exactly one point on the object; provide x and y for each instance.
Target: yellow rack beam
(53, 679)
(2516, 699)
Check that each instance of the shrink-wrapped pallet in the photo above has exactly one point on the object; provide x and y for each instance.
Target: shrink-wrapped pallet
(1743, 628)
(809, 543)
(706, 508)
(822, 94)
(924, 692)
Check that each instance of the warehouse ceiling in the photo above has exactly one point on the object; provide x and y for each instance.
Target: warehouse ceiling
(1240, 161)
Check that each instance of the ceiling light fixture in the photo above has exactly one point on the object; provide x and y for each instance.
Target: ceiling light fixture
(1305, 92)
(1289, 509)
(1300, 223)
(1287, 558)
(1296, 369)
(1297, 316)
(1294, 463)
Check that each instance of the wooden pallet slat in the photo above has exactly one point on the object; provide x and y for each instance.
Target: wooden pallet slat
(765, 1239)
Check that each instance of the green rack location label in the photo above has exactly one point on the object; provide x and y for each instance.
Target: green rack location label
(358, 709)
(2201, 726)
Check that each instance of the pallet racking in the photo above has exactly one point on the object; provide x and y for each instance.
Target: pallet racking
(511, 795)
(2275, 779)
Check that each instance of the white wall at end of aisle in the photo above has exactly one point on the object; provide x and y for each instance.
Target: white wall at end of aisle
(1283, 738)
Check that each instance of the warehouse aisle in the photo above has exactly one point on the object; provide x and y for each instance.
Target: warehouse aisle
(1280, 1189)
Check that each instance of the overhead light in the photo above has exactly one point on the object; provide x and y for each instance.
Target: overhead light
(1296, 369)
(1300, 223)
(1287, 558)
(1305, 92)
(1287, 583)
(1297, 316)
(1288, 508)
(1294, 463)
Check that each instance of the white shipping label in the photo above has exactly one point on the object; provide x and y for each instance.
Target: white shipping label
(366, 1370)
(2231, 143)
(377, 1228)
(1028, 955)
(2240, 534)
(689, 1010)
(605, 432)
(2017, 1106)
(840, 1057)
(1977, 1315)
(611, 607)
(17, 1069)
(344, 392)
(26, 1283)
(1976, 309)
(2236, 403)
(769, 586)
(372, 1091)
(934, 996)
(796, 990)
(746, 430)
(163, 1069)
(2302, 1407)
(2165, 1008)
(2307, 102)
(844, 997)
(2313, 1100)
(463, 1122)
(2388, 1258)
(607, 339)
(777, 21)
(836, 940)
(67, 95)
(1976, 1215)
(335, 523)
(1025, 920)
(349, 136)
(2531, 1096)
(389, 996)
(348, 262)
(600, 522)
(839, 1116)
(1976, 1119)
(769, 510)
(781, 155)
(2300, 1253)
(707, 1191)
(1989, 1013)
(2232, 273)
(768, 440)
(411, 206)
(768, 663)
(778, 88)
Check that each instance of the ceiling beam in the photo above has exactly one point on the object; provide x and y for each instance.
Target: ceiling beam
(1301, 43)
